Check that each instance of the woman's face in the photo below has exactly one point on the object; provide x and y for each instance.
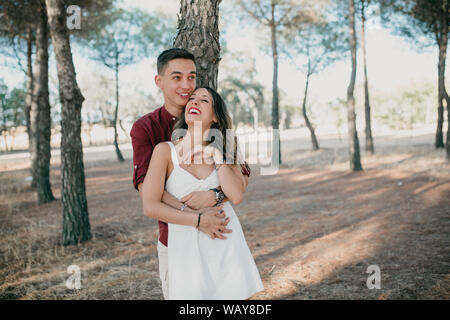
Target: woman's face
(199, 108)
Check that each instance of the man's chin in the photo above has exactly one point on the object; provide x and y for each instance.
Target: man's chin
(179, 104)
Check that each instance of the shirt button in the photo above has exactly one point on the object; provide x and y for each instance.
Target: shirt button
(173, 118)
(135, 167)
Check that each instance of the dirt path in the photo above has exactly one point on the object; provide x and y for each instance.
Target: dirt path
(313, 228)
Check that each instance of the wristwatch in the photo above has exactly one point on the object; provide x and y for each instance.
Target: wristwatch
(219, 195)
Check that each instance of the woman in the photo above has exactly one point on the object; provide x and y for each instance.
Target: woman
(201, 267)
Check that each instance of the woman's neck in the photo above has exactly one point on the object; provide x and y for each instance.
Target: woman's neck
(195, 136)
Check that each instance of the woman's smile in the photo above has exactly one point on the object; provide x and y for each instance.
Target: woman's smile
(194, 110)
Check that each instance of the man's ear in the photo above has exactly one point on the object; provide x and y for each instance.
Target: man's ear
(158, 81)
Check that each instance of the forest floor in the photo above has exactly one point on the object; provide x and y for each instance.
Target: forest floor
(314, 228)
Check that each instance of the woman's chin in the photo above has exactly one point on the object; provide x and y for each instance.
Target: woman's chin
(192, 120)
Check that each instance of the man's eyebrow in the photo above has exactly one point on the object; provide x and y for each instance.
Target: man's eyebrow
(179, 72)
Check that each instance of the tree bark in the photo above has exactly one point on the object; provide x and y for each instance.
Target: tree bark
(442, 39)
(29, 85)
(439, 138)
(116, 114)
(40, 121)
(198, 32)
(315, 144)
(76, 226)
(354, 153)
(442, 92)
(368, 130)
(276, 145)
(29, 98)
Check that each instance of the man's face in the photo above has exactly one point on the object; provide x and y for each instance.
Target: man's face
(177, 82)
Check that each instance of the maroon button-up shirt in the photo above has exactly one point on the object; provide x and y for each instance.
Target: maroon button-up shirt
(146, 133)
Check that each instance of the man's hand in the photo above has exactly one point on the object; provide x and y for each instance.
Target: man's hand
(212, 222)
(200, 199)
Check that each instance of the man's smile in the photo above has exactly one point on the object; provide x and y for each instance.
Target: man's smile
(184, 95)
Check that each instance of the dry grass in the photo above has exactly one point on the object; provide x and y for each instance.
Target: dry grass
(313, 228)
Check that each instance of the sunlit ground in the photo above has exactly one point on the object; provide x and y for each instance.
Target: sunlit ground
(313, 228)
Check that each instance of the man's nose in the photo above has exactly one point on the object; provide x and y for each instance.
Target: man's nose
(185, 84)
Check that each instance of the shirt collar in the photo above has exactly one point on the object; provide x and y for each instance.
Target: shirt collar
(167, 116)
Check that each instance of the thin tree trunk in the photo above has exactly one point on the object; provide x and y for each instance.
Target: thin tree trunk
(439, 139)
(442, 39)
(315, 144)
(29, 99)
(198, 32)
(368, 130)
(76, 226)
(276, 145)
(354, 153)
(447, 98)
(116, 114)
(29, 85)
(40, 121)
(442, 62)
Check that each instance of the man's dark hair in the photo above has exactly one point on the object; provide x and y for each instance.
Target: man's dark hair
(171, 54)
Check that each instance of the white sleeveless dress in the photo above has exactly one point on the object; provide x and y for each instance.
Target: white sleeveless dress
(201, 268)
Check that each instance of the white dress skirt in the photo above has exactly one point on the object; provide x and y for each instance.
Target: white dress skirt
(201, 268)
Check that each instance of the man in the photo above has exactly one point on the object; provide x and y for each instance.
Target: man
(176, 78)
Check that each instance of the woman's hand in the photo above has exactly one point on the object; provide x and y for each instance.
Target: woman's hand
(214, 223)
(211, 155)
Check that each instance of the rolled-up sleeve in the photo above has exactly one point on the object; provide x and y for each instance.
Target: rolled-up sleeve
(143, 142)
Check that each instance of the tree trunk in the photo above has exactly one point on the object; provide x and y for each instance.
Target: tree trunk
(368, 129)
(443, 41)
(76, 226)
(315, 144)
(116, 114)
(439, 139)
(29, 98)
(276, 145)
(29, 85)
(353, 142)
(448, 126)
(40, 121)
(198, 32)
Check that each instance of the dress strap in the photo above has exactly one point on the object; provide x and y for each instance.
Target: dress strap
(173, 153)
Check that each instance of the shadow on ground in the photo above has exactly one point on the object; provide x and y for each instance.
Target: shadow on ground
(312, 230)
